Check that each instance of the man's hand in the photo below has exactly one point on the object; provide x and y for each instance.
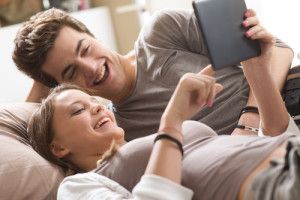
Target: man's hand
(38, 92)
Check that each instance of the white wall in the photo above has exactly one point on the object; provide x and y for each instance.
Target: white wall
(282, 19)
(14, 85)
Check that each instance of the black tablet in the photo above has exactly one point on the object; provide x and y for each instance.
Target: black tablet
(221, 24)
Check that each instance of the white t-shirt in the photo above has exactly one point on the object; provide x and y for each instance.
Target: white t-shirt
(91, 185)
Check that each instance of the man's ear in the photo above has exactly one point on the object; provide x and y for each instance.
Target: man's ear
(58, 150)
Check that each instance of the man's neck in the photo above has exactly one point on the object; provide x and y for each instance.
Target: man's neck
(129, 62)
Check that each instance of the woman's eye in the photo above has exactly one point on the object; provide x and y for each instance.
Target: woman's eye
(78, 111)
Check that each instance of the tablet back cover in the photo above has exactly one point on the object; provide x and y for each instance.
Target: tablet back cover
(221, 24)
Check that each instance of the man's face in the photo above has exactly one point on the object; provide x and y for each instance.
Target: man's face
(80, 59)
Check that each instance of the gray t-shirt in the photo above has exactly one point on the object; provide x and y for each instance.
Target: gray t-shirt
(213, 166)
(169, 46)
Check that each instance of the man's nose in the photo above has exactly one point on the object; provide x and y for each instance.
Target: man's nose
(88, 68)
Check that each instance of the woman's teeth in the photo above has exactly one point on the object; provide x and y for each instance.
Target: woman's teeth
(101, 122)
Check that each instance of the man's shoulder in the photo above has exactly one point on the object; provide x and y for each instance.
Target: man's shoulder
(171, 15)
(164, 24)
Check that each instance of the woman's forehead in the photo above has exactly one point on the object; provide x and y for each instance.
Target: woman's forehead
(67, 98)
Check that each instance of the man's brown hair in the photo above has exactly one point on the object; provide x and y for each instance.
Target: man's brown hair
(35, 39)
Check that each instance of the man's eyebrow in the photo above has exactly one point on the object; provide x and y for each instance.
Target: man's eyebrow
(79, 43)
(78, 46)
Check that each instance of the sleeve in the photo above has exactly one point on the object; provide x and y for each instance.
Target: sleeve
(173, 29)
(292, 129)
(90, 186)
(280, 43)
(152, 187)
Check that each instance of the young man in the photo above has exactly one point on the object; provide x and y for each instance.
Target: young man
(53, 48)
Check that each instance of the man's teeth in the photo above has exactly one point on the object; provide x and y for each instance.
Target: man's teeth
(102, 121)
(101, 75)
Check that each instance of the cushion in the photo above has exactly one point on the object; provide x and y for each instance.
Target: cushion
(291, 93)
(24, 174)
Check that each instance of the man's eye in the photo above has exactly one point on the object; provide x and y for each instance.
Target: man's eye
(85, 50)
(70, 73)
(78, 111)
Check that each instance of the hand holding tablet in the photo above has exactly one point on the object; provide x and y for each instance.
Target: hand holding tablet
(221, 24)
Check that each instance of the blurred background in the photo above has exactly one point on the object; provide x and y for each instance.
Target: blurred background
(117, 23)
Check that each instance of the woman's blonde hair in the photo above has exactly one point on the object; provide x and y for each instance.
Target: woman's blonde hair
(41, 134)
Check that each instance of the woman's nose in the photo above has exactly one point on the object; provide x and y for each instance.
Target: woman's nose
(97, 108)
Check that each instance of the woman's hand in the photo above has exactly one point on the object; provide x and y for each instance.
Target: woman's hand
(191, 94)
(273, 114)
(266, 40)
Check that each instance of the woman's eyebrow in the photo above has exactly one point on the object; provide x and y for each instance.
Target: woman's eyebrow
(75, 102)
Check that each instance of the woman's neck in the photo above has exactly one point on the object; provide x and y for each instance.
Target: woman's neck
(85, 163)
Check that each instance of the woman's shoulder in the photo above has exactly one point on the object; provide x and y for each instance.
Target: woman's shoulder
(86, 185)
(197, 128)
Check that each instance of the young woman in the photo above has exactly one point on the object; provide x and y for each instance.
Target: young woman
(72, 130)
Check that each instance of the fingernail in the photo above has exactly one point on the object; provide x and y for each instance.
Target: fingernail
(245, 23)
(248, 33)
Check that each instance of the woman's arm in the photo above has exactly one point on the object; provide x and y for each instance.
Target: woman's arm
(258, 71)
(192, 92)
(280, 64)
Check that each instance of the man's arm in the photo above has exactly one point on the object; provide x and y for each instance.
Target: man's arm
(37, 92)
(280, 64)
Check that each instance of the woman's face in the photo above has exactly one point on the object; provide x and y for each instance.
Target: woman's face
(82, 127)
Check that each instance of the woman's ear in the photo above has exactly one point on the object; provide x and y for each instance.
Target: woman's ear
(58, 150)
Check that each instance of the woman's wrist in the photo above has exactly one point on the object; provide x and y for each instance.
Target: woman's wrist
(170, 126)
(174, 132)
(249, 119)
(170, 138)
